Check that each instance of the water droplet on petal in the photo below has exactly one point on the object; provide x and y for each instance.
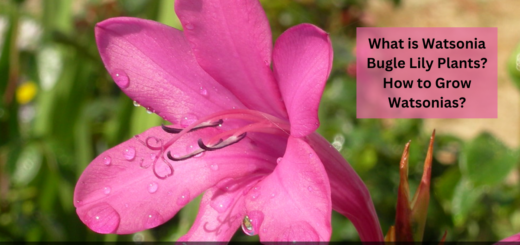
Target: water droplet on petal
(254, 193)
(189, 26)
(101, 218)
(266, 62)
(121, 78)
(136, 104)
(279, 160)
(129, 153)
(221, 203)
(107, 190)
(203, 91)
(252, 222)
(273, 195)
(188, 119)
(247, 227)
(184, 198)
(227, 184)
(214, 167)
(152, 187)
(153, 219)
(149, 110)
(107, 160)
(310, 188)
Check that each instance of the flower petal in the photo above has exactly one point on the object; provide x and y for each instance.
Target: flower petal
(292, 203)
(350, 196)
(302, 60)
(232, 42)
(154, 65)
(119, 192)
(221, 211)
(513, 238)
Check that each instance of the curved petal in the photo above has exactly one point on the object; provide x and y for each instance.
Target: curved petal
(119, 192)
(154, 65)
(292, 203)
(232, 42)
(302, 60)
(513, 238)
(350, 196)
(221, 211)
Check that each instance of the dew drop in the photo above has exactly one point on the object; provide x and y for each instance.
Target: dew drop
(247, 227)
(189, 26)
(203, 91)
(184, 198)
(136, 104)
(252, 222)
(107, 190)
(221, 203)
(310, 188)
(121, 78)
(152, 187)
(273, 195)
(101, 218)
(188, 119)
(214, 167)
(254, 193)
(279, 160)
(129, 153)
(107, 160)
(266, 62)
(227, 184)
(149, 110)
(153, 219)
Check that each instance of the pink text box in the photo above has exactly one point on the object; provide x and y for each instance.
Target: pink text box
(475, 97)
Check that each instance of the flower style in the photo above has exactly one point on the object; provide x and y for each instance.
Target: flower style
(242, 133)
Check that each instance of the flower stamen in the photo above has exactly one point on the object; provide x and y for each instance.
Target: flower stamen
(200, 126)
(221, 144)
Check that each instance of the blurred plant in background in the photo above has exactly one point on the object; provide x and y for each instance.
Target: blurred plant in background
(59, 109)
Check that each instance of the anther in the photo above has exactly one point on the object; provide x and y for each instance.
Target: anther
(221, 144)
(207, 148)
(188, 156)
(200, 126)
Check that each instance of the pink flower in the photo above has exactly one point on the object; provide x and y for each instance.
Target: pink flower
(247, 138)
(513, 238)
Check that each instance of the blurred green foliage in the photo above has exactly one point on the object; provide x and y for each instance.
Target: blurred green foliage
(77, 112)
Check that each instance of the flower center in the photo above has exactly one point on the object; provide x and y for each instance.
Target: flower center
(256, 122)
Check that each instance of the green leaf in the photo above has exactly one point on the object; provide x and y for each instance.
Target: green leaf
(464, 199)
(487, 160)
(167, 14)
(28, 165)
